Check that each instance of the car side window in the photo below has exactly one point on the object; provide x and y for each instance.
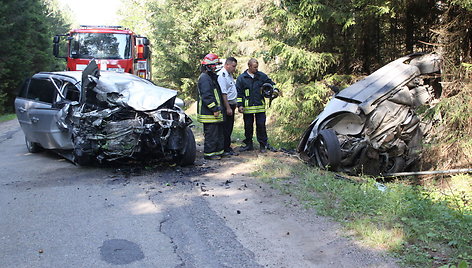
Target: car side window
(24, 88)
(71, 92)
(41, 90)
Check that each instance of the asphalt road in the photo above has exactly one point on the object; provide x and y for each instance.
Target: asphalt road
(55, 214)
(213, 214)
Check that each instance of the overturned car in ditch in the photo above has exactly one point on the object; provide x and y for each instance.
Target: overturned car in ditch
(372, 126)
(95, 117)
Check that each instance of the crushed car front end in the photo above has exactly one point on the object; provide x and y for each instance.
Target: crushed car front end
(126, 117)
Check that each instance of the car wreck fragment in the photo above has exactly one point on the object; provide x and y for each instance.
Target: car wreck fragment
(372, 126)
(94, 116)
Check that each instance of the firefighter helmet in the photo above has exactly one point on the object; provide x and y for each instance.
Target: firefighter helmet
(212, 62)
(267, 90)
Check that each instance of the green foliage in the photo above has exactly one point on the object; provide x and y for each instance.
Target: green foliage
(455, 111)
(423, 226)
(7, 117)
(3, 101)
(467, 4)
(302, 102)
(181, 34)
(26, 45)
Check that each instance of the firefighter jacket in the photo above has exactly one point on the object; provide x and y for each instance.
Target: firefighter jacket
(209, 99)
(250, 92)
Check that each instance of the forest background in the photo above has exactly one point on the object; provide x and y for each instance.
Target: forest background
(303, 45)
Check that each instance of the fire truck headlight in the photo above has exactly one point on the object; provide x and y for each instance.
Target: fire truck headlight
(142, 65)
(118, 70)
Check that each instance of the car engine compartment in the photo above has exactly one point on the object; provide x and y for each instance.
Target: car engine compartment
(129, 119)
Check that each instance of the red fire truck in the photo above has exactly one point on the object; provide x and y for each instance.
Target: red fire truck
(113, 47)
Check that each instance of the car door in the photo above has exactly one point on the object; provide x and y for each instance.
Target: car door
(43, 113)
(22, 107)
(67, 97)
(34, 96)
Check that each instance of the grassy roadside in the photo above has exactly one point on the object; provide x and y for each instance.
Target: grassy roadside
(7, 117)
(423, 226)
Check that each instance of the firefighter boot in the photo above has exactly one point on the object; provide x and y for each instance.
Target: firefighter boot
(247, 147)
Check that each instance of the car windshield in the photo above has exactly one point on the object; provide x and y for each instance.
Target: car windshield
(100, 46)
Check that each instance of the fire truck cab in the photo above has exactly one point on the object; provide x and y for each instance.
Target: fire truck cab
(113, 47)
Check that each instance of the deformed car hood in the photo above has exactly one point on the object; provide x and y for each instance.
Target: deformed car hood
(122, 89)
(135, 93)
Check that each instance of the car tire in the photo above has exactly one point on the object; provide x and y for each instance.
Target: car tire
(33, 147)
(327, 149)
(190, 151)
(81, 158)
(394, 165)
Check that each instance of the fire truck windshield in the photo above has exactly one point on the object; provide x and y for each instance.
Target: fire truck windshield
(100, 46)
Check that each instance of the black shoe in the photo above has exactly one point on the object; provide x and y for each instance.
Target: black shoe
(263, 150)
(230, 152)
(213, 157)
(246, 148)
(226, 154)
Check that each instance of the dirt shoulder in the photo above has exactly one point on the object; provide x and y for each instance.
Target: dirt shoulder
(274, 226)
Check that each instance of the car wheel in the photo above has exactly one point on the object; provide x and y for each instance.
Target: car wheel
(81, 158)
(394, 165)
(190, 151)
(33, 147)
(327, 149)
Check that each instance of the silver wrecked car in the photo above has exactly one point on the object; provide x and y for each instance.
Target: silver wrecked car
(371, 127)
(94, 116)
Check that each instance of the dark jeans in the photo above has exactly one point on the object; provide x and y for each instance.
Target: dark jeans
(228, 126)
(261, 132)
(214, 139)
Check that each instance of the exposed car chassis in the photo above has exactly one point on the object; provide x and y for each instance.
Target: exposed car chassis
(372, 127)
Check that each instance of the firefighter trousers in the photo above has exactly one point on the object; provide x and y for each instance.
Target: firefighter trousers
(214, 139)
(261, 132)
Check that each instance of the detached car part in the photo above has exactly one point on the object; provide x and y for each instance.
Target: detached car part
(371, 127)
(95, 116)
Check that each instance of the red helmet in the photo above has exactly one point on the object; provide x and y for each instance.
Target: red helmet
(211, 59)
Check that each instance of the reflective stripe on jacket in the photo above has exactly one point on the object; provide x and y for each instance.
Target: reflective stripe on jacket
(250, 92)
(209, 99)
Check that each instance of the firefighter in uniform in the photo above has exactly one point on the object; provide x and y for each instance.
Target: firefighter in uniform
(252, 104)
(210, 108)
